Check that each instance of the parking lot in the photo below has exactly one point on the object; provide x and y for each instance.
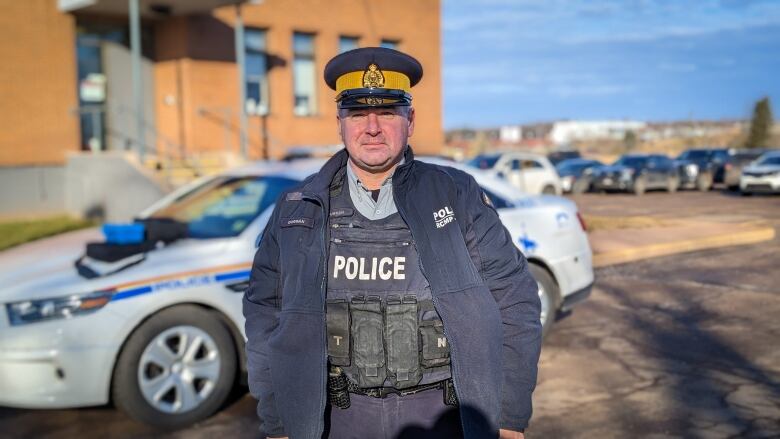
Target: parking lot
(683, 345)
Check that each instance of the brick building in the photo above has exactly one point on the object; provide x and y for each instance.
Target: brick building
(66, 81)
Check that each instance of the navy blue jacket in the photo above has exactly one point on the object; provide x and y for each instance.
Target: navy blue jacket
(480, 283)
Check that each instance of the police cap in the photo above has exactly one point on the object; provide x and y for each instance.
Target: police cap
(373, 77)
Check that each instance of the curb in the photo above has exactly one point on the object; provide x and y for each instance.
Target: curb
(664, 249)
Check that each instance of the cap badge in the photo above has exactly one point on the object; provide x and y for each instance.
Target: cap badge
(373, 77)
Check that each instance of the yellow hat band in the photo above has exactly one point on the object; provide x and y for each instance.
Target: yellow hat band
(392, 80)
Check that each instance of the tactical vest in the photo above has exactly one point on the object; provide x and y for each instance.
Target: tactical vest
(383, 330)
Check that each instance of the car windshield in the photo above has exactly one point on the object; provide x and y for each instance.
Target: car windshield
(694, 154)
(631, 161)
(771, 160)
(746, 156)
(484, 161)
(573, 167)
(224, 206)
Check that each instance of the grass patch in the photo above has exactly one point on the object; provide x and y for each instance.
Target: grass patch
(623, 222)
(13, 233)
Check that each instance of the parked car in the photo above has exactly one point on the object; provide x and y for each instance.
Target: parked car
(556, 157)
(737, 160)
(576, 174)
(762, 176)
(700, 168)
(156, 326)
(637, 173)
(531, 173)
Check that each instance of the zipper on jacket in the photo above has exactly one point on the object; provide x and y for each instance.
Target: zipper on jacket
(435, 301)
(367, 241)
(323, 293)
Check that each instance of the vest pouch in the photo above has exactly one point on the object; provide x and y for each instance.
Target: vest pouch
(368, 351)
(337, 316)
(403, 364)
(435, 347)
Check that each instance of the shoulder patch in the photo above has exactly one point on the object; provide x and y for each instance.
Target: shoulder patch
(295, 196)
(486, 200)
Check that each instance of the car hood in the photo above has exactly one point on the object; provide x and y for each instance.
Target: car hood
(610, 169)
(545, 201)
(568, 173)
(44, 265)
(762, 168)
(46, 268)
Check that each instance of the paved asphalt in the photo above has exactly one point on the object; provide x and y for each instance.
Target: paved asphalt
(679, 346)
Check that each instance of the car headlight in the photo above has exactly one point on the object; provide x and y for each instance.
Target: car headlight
(691, 169)
(626, 174)
(32, 311)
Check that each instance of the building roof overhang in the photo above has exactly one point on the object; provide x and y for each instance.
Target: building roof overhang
(150, 9)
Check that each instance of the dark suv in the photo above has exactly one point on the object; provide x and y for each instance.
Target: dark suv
(637, 173)
(700, 168)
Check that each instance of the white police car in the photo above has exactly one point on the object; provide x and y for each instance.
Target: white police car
(159, 330)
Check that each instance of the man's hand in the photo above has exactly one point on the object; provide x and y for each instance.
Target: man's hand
(509, 434)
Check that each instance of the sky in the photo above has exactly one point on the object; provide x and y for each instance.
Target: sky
(525, 61)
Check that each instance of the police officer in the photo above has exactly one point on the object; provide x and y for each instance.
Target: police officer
(386, 299)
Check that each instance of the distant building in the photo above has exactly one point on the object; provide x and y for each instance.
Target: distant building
(511, 134)
(570, 131)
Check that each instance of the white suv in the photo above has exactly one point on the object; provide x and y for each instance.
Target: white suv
(531, 173)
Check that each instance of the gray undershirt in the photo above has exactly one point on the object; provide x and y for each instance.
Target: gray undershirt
(384, 205)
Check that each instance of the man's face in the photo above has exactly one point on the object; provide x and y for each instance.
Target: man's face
(375, 138)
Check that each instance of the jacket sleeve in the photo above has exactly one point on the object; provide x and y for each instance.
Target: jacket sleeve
(261, 304)
(505, 271)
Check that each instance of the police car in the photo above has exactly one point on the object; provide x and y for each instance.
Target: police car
(155, 325)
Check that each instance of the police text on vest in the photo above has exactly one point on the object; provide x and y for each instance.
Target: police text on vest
(358, 268)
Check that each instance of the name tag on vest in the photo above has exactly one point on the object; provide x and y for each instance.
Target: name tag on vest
(293, 222)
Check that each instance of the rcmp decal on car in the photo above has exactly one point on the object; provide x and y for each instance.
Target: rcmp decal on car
(529, 245)
(181, 280)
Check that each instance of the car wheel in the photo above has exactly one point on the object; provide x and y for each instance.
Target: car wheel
(548, 295)
(176, 369)
(733, 187)
(672, 184)
(746, 193)
(704, 182)
(548, 190)
(639, 186)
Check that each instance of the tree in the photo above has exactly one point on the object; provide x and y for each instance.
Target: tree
(760, 125)
(629, 140)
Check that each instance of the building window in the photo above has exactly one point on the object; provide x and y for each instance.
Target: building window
(256, 72)
(347, 43)
(390, 44)
(304, 75)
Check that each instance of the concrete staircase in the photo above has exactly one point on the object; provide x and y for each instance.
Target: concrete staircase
(177, 171)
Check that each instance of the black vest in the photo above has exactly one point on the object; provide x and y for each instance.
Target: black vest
(383, 330)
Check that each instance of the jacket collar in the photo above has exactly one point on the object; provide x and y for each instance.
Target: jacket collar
(320, 184)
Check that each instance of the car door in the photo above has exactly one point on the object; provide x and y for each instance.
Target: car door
(654, 175)
(534, 175)
(666, 170)
(514, 174)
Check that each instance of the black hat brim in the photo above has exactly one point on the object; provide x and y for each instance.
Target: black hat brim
(373, 97)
